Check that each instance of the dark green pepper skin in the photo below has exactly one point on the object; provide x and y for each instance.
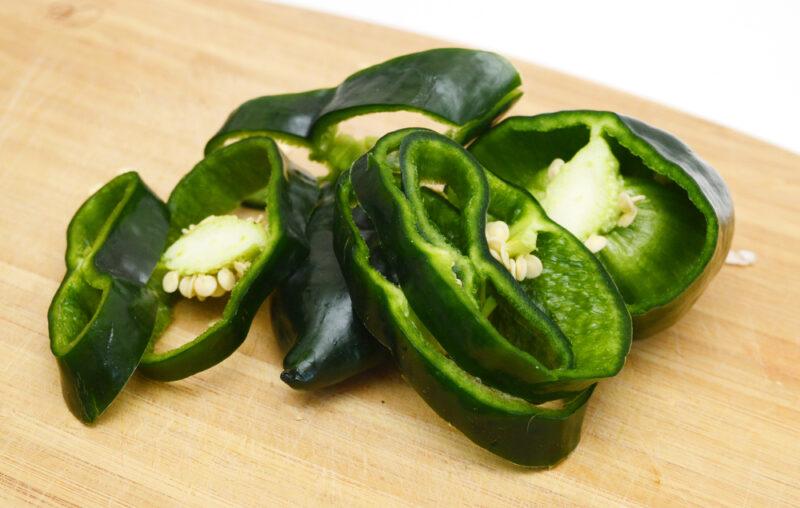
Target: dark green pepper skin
(462, 89)
(685, 229)
(512, 428)
(312, 310)
(217, 185)
(102, 315)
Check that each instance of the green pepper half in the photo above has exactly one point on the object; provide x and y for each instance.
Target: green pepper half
(219, 184)
(663, 254)
(102, 315)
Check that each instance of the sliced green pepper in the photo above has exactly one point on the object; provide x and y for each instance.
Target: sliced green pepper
(662, 223)
(511, 427)
(218, 185)
(534, 338)
(481, 346)
(462, 89)
(103, 313)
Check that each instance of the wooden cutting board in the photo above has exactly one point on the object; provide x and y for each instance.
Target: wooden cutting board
(707, 412)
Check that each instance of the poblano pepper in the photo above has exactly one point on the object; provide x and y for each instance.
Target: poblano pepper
(658, 217)
(212, 253)
(480, 336)
(464, 90)
(102, 315)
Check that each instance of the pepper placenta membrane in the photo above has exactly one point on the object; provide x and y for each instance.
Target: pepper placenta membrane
(206, 245)
(463, 90)
(102, 315)
(659, 218)
(507, 338)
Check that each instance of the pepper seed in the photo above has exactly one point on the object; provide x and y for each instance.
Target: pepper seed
(596, 243)
(226, 279)
(497, 229)
(533, 266)
(170, 282)
(186, 286)
(205, 285)
(554, 168)
(521, 269)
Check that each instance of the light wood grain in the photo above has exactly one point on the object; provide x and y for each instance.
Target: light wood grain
(707, 412)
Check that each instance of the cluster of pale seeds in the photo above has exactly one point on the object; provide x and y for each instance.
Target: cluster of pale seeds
(204, 285)
(627, 203)
(524, 266)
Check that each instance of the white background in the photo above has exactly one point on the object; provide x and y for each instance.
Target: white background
(735, 63)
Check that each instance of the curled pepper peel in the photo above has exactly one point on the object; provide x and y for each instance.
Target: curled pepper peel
(103, 313)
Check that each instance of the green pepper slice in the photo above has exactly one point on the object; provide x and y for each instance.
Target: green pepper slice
(219, 184)
(103, 313)
(534, 338)
(511, 427)
(462, 89)
(664, 257)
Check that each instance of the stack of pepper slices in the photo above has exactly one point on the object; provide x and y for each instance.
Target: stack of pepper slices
(504, 269)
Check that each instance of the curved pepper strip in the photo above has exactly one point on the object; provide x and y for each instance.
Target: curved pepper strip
(102, 315)
(679, 239)
(549, 336)
(463, 89)
(218, 185)
(511, 427)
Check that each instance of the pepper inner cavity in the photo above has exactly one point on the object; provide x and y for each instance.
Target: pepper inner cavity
(587, 195)
(212, 256)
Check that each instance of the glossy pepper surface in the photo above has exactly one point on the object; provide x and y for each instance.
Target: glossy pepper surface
(506, 343)
(102, 315)
(680, 236)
